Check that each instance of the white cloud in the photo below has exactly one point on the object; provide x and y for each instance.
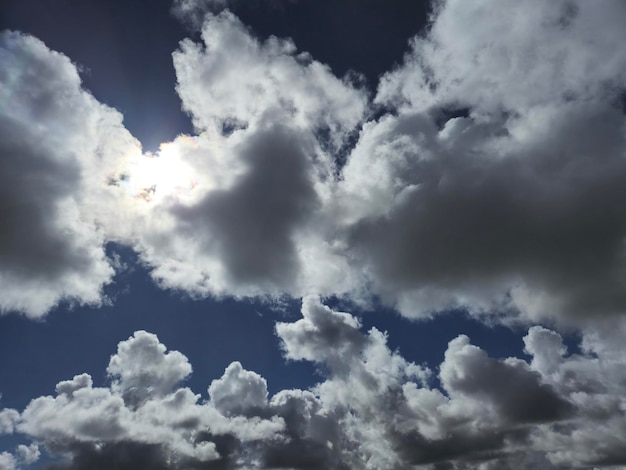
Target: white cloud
(144, 417)
(373, 409)
(511, 56)
(27, 454)
(238, 391)
(234, 79)
(23, 456)
(55, 140)
(143, 369)
(479, 190)
(496, 187)
(7, 461)
(255, 222)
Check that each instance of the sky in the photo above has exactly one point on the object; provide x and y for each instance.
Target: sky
(298, 234)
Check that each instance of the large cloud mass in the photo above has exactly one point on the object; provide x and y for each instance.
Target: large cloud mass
(488, 173)
(55, 138)
(491, 178)
(374, 409)
(498, 184)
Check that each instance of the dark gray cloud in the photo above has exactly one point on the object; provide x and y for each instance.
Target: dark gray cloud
(547, 220)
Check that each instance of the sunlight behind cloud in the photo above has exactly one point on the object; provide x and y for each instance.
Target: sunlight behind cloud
(153, 177)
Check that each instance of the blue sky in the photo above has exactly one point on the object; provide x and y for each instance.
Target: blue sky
(366, 234)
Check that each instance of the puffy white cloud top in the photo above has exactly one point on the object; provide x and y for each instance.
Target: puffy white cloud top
(373, 409)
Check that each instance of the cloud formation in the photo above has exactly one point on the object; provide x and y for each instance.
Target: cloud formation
(53, 135)
(497, 184)
(459, 185)
(268, 121)
(470, 188)
(477, 190)
(373, 409)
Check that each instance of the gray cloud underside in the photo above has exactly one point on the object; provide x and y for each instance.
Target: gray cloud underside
(374, 409)
(495, 184)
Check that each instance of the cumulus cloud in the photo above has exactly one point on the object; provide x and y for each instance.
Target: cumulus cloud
(233, 78)
(268, 121)
(496, 186)
(238, 209)
(478, 190)
(55, 137)
(144, 417)
(23, 456)
(142, 369)
(471, 188)
(372, 409)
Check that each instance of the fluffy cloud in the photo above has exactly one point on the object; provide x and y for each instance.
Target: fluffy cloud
(239, 391)
(55, 139)
(234, 80)
(477, 54)
(374, 409)
(268, 121)
(496, 185)
(23, 455)
(143, 369)
(143, 418)
(477, 190)
(236, 210)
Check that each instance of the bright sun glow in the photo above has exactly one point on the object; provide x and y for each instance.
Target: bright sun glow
(154, 177)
